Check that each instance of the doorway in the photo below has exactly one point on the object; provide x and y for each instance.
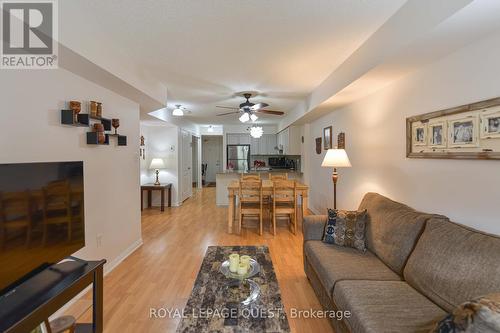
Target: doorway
(196, 144)
(211, 158)
(186, 165)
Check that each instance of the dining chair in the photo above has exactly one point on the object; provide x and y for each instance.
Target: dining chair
(15, 213)
(250, 198)
(57, 207)
(284, 202)
(278, 176)
(251, 176)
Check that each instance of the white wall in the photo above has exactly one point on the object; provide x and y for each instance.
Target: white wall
(161, 142)
(466, 191)
(31, 132)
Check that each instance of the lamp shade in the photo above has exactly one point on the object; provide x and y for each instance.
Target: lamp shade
(157, 163)
(336, 158)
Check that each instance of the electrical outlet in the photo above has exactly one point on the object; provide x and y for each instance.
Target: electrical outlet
(99, 240)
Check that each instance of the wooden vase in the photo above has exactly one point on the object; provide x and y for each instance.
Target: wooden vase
(99, 109)
(77, 108)
(93, 108)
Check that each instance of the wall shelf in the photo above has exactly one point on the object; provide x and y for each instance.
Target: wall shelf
(92, 139)
(84, 120)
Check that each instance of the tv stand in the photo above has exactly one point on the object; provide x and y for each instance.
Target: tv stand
(36, 299)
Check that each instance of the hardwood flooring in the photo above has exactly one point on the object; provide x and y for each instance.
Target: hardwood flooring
(161, 273)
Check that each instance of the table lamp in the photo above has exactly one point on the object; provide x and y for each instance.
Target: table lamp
(336, 158)
(157, 164)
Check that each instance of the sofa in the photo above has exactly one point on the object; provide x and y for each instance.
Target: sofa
(417, 268)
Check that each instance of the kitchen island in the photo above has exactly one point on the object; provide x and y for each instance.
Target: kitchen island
(223, 179)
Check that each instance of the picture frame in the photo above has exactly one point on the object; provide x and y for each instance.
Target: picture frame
(419, 134)
(438, 134)
(327, 137)
(318, 146)
(463, 132)
(490, 125)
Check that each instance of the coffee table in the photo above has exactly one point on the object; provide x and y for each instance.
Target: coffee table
(215, 307)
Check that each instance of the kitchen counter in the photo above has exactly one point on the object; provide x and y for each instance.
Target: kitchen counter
(224, 178)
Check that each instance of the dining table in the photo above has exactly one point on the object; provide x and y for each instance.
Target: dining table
(267, 190)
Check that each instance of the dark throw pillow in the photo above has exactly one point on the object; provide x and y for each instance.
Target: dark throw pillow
(481, 315)
(346, 228)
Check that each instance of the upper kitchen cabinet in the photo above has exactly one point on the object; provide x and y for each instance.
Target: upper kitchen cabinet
(290, 140)
(264, 145)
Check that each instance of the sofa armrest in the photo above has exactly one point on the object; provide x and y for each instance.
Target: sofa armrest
(313, 227)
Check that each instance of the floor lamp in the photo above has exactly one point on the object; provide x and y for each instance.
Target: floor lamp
(336, 158)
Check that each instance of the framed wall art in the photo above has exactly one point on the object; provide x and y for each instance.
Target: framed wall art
(438, 137)
(490, 125)
(469, 131)
(463, 132)
(420, 134)
(327, 137)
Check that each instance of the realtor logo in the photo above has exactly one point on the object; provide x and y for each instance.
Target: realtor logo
(29, 34)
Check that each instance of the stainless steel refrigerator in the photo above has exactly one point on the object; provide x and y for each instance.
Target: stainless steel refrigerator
(238, 157)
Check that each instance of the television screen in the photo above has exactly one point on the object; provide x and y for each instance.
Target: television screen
(41, 217)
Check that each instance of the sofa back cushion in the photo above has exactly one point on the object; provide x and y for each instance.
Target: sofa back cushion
(452, 264)
(392, 229)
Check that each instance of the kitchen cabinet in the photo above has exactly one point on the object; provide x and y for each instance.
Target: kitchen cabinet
(263, 145)
(290, 140)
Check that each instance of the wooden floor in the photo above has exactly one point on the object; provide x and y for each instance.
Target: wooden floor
(161, 273)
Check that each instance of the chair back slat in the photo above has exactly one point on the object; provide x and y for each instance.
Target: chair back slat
(250, 191)
(284, 191)
(253, 176)
(278, 176)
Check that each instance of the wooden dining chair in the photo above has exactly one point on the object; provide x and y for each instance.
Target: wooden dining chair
(57, 207)
(15, 213)
(278, 176)
(250, 198)
(284, 202)
(251, 176)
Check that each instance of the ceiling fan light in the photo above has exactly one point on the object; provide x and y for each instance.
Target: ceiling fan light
(253, 117)
(244, 117)
(256, 132)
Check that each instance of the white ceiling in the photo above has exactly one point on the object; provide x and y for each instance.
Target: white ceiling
(206, 51)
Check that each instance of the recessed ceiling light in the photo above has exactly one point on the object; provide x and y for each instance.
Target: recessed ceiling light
(178, 112)
(210, 129)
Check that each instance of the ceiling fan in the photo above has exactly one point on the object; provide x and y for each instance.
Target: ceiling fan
(249, 109)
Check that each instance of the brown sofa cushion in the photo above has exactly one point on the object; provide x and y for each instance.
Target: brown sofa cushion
(452, 264)
(385, 306)
(392, 229)
(334, 263)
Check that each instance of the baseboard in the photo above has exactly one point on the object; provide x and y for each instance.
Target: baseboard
(108, 268)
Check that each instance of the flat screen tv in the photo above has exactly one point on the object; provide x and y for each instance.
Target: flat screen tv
(41, 217)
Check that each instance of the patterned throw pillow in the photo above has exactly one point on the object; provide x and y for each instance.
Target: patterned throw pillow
(346, 228)
(481, 315)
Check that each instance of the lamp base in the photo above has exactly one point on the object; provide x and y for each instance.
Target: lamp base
(335, 178)
(157, 182)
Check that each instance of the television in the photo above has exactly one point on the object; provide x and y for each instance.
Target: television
(41, 217)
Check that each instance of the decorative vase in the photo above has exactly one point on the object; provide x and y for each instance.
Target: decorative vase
(99, 110)
(77, 108)
(93, 109)
(101, 136)
(115, 123)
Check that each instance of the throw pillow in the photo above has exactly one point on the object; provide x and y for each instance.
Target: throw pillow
(346, 228)
(481, 315)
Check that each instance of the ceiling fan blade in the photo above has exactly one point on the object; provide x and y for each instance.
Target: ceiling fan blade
(259, 106)
(225, 114)
(276, 113)
(227, 107)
